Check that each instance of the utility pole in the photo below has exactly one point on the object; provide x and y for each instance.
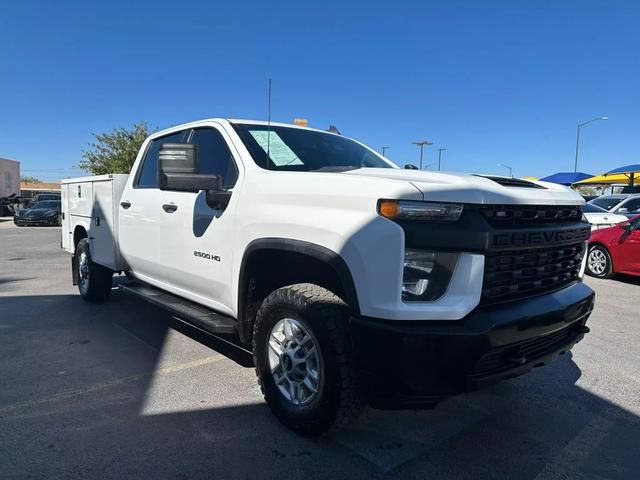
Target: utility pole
(580, 125)
(384, 149)
(508, 168)
(421, 144)
(440, 150)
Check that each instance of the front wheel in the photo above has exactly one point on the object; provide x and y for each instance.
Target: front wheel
(599, 262)
(94, 280)
(303, 359)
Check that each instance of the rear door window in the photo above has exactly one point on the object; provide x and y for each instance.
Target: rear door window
(148, 172)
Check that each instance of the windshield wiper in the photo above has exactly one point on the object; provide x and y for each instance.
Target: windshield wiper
(338, 168)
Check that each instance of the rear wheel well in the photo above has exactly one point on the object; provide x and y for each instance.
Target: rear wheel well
(267, 269)
(78, 234)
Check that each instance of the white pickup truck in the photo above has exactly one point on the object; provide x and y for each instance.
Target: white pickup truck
(350, 279)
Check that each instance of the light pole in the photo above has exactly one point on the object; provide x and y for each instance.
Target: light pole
(575, 165)
(440, 150)
(384, 149)
(421, 144)
(508, 168)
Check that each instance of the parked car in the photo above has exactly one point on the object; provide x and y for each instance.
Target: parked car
(347, 277)
(615, 250)
(46, 212)
(600, 218)
(621, 204)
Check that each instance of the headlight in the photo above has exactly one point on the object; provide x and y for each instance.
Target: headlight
(415, 210)
(426, 274)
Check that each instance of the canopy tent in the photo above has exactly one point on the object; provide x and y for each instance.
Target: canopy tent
(566, 178)
(614, 179)
(631, 172)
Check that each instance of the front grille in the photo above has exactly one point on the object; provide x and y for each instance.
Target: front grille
(519, 273)
(505, 358)
(510, 216)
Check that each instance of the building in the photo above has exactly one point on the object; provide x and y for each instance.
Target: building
(9, 177)
(30, 190)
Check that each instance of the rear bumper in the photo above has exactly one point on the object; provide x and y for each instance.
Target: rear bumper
(416, 364)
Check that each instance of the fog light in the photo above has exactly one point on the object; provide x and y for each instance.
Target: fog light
(426, 274)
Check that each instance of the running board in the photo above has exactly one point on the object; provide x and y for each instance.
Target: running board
(184, 309)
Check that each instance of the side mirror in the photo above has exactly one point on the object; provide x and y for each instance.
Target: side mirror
(627, 227)
(178, 171)
(622, 210)
(410, 166)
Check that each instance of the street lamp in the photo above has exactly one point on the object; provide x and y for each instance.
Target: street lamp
(604, 117)
(421, 144)
(384, 149)
(508, 168)
(440, 150)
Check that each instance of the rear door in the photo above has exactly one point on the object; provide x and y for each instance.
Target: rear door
(140, 212)
(196, 241)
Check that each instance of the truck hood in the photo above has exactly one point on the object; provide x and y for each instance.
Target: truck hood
(464, 188)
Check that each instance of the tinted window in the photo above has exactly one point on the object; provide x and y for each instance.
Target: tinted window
(214, 156)
(606, 202)
(632, 205)
(591, 208)
(47, 204)
(298, 149)
(148, 176)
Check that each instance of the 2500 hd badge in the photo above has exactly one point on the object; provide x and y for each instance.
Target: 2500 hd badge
(206, 256)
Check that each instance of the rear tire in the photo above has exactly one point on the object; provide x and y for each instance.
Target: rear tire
(307, 375)
(599, 262)
(94, 280)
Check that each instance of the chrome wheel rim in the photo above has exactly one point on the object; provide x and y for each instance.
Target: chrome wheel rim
(295, 361)
(597, 261)
(83, 271)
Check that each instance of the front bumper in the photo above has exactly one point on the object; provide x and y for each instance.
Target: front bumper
(25, 222)
(417, 364)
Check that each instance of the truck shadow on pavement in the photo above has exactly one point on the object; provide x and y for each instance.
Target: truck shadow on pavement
(122, 390)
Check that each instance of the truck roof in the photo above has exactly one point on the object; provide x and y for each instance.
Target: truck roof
(237, 121)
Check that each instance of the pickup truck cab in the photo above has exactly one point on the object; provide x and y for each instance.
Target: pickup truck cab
(350, 279)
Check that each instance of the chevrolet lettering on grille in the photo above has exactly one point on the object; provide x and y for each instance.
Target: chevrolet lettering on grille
(542, 238)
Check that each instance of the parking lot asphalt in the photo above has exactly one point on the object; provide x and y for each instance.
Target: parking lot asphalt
(121, 390)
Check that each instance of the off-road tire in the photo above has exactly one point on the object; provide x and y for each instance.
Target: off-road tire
(608, 269)
(98, 287)
(337, 401)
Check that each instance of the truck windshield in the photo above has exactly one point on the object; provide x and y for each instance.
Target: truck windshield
(300, 150)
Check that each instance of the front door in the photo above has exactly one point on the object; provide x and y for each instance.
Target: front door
(196, 241)
(140, 211)
(628, 251)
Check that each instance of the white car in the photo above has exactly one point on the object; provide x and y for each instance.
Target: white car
(600, 218)
(622, 204)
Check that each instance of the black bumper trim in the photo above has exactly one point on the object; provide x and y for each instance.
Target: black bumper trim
(417, 364)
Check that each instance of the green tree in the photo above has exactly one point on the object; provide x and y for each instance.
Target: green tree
(116, 151)
(27, 179)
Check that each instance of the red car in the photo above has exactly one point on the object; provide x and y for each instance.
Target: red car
(615, 250)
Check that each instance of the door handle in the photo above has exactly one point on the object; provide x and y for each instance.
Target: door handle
(125, 204)
(169, 207)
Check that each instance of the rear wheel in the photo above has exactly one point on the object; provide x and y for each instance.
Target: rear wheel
(599, 262)
(303, 359)
(94, 280)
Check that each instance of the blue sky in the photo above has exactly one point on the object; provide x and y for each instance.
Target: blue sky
(492, 82)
